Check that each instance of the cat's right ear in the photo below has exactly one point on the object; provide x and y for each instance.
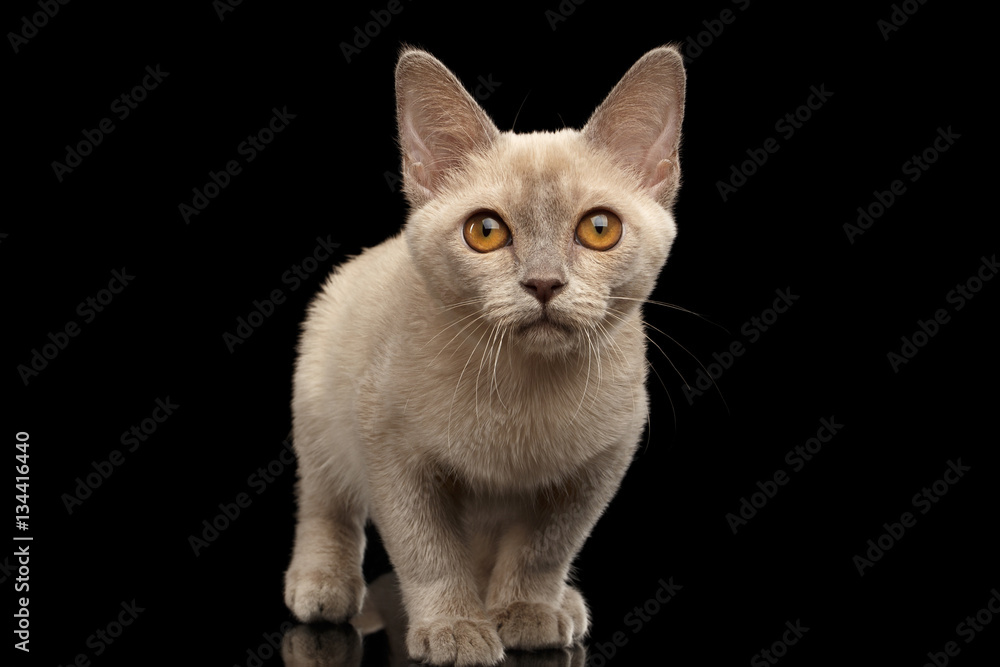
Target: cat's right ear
(639, 123)
(440, 124)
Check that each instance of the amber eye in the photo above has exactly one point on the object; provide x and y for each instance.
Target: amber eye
(599, 230)
(485, 232)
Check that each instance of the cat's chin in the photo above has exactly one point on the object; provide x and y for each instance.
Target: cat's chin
(546, 337)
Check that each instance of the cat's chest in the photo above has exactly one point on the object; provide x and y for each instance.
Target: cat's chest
(513, 421)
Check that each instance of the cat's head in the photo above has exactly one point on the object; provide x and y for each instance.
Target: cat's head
(546, 236)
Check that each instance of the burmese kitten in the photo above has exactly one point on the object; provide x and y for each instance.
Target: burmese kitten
(476, 384)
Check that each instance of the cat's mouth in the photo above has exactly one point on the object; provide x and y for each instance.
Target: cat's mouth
(545, 324)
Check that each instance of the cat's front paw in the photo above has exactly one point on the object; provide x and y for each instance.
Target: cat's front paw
(314, 595)
(537, 625)
(574, 606)
(533, 625)
(452, 641)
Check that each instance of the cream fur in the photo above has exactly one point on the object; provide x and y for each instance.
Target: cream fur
(431, 398)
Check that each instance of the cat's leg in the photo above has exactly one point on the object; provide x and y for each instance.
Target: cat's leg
(418, 517)
(324, 580)
(529, 598)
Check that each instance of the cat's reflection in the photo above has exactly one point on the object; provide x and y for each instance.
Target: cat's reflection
(327, 645)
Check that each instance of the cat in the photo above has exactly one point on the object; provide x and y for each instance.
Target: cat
(476, 384)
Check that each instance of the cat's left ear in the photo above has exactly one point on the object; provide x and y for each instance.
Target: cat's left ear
(440, 124)
(639, 123)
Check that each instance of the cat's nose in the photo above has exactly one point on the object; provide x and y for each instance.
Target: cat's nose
(543, 289)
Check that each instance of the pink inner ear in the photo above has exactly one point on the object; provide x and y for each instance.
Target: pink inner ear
(657, 175)
(658, 162)
(417, 154)
(419, 175)
(415, 149)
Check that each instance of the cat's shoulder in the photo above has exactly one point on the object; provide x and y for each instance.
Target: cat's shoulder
(374, 264)
(366, 286)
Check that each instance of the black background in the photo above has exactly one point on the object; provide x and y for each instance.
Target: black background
(325, 176)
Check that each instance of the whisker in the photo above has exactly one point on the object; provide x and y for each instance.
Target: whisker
(675, 307)
(489, 346)
(611, 343)
(603, 331)
(444, 347)
(670, 399)
(459, 384)
(674, 341)
(600, 372)
(620, 316)
(458, 321)
(586, 383)
(519, 111)
(646, 364)
(499, 347)
(673, 409)
(459, 304)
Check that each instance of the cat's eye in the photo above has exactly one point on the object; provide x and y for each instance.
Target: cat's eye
(486, 232)
(599, 230)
